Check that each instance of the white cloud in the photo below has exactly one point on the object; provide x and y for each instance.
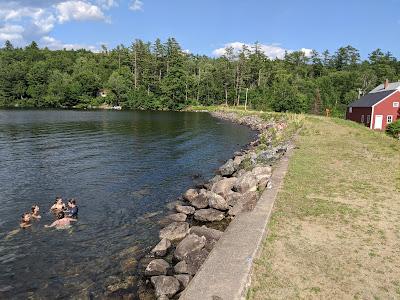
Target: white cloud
(107, 4)
(136, 5)
(273, 51)
(306, 51)
(54, 44)
(79, 11)
(11, 32)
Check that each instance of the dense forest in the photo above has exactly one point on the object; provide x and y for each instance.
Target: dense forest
(161, 76)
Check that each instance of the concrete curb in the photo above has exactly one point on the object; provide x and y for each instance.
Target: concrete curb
(226, 273)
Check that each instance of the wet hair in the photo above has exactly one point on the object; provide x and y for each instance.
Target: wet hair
(60, 215)
(33, 207)
(23, 216)
(72, 201)
(58, 198)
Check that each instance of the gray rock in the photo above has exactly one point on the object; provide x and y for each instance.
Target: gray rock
(156, 267)
(264, 171)
(239, 173)
(213, 180)
(183, 279)
(227, 169)
(237, 161)
(247, 182)
(188, 245)
(174, 231)
(211, 235)
(165, 285)
(161, 248)
(195, 259)
(224, 186)
(246, 203)
(181, 267)
(185, 209)
(232, 198)
(209, 215)
(201, 200)
(190, 194)
(179, 217)
(216, 201)
(163, 297)
(262, 183)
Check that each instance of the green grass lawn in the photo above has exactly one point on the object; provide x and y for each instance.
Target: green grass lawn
(335, 228)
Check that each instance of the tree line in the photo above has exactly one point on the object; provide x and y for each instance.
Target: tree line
(160, 75)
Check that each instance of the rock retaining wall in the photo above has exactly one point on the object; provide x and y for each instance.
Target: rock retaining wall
(187, 240)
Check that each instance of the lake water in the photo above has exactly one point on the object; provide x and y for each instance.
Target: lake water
(122, 167)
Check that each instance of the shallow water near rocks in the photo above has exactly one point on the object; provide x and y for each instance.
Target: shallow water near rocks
(122, 167)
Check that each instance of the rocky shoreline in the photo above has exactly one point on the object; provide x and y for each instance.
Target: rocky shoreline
(191, 233)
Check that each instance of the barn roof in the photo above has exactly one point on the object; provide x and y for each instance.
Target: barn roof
(391, 86)
(372, 98)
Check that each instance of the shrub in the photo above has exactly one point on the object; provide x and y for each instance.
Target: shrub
(393, 129)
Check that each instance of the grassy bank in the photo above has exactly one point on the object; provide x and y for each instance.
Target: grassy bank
(335, 229)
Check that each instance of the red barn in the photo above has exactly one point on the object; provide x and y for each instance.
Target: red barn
(378, 108)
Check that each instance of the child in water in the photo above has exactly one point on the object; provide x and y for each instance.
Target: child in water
(58, 205)
(35, 214)
(72, 209)
(62, 221)
(25, 220)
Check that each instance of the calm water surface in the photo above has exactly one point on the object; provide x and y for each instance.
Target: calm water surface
(122, 167)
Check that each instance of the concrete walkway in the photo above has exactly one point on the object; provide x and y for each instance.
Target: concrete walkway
(226, 273)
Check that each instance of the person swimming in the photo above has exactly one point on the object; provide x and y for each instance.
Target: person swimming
(72, 209)
(62, 221)
(58, 205)
(25, 220)
(35, 212)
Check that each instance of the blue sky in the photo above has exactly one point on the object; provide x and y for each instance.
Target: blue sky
(205, 26)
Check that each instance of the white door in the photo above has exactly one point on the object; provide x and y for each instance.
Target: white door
(378, 122)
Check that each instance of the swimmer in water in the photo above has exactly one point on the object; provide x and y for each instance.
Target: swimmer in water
(72, 209)
(62, 221)
(58, 205)
(35, 212)
(25, 220)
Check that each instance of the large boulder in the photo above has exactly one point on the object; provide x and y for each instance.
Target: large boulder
(190, 194)
(245, 183)
(246, 202)
(165, 285)
(201, 200)
(237, 161)
(227, 169)
(183, 280)
(185, 209)
(233, 198)
(156, 267)
(211, 182)
(264, 171)
(263, 183)
(216, 201)
(188, 245)
(161, 248)
(209, 215)
(211, 235)
(174, 231)
(195, 259)
(181, 268)
(179, 217)
(224, 186)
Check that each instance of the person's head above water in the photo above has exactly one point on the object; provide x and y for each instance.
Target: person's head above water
(60, 215)
(72, 202)
(25, 218)
(59, 200)
(35, 209)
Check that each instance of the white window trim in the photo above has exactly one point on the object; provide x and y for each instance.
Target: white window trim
(350, 109)
(395, 104)
(362, 119)
(387, 119)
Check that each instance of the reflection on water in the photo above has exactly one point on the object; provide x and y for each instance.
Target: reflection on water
(123, 168)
